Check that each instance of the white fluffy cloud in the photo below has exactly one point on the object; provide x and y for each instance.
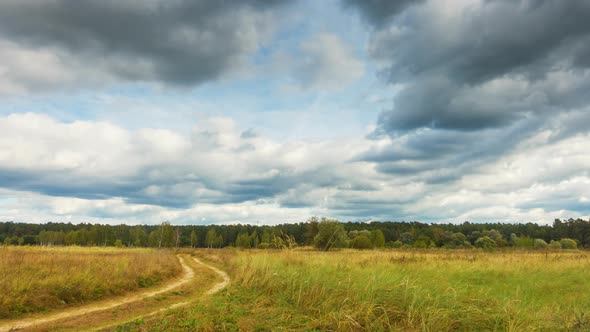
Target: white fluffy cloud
(88, 170)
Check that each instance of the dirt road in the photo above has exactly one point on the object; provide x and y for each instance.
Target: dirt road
(188, 274)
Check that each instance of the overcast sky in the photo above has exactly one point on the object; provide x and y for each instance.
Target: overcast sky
(265, 112)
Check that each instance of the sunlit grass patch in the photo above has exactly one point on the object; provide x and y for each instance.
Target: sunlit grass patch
(34, 279)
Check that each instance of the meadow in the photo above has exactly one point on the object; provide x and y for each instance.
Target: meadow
(397, 290)
(39, 279)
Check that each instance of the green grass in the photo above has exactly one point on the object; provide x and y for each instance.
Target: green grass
(434, 290)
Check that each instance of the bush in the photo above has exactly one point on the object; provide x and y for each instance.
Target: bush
(554, 245)
(467, 244)
(118, 243)
(377, 239)
(361, 242)
(420, 244)
(263, 245)
(568, 243)
(394, 244)
(523, 242)
(331, 234)
(485, 242)
(540, 244)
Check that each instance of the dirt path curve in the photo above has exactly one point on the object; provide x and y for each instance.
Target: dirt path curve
(216, 288)
(220, 285)
(188, 274)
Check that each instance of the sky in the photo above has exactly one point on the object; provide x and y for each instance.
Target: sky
(268, 112)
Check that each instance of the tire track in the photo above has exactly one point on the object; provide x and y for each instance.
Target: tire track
(215, 289)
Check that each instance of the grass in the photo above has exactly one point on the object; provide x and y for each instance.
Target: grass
(35, 279)
(430, 290)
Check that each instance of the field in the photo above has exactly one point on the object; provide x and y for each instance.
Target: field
(306, 290)
(36, 279)
(431, 290)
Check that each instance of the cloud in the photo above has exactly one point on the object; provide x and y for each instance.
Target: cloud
(475, 41)
(99, 160)
(484, 117)
(380, 11)
(97, 171)
(464, 68)
(322, 62)
(175, 42)
(477, 79)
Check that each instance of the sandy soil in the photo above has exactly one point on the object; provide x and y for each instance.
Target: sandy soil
(188, 274)
(219, 286)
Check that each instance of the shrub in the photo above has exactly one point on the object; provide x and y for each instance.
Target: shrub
(361, 242)
(394, 244)
(263, 245)
(485, 242)
(420, 244)
(331, 234)
(523, 242)
(467, 244)
(568, 243)
(540, 244)
(554, 245)
(406, 238)
(377, 239)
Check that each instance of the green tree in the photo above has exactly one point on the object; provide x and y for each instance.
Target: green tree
(166, 235)
(137, 236)
(361, 242)
(194, 239)
(331, 234)
(213, 239)
(154, 238)
(254, 240)
(377, 238)
(407, 238)
(311, 230)
(243, 241)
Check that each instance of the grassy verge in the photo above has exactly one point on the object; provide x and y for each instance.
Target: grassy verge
(432, 290)
(35, 279)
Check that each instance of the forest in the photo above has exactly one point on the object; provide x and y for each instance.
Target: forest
(322, 233)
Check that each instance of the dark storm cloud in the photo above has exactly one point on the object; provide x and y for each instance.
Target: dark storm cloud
(487, 41)
(379, 11)
(442, 66)
(180, 42)
(476, 81)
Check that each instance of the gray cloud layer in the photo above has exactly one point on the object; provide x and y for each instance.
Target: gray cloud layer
(177, 42)
(490, 119)
(477, 79)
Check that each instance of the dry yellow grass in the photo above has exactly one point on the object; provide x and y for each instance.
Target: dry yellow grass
(34, 279)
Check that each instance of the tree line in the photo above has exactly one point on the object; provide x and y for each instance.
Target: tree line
(322, 233)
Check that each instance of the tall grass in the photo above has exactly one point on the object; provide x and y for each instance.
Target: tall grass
(37, 279)
(422, 290)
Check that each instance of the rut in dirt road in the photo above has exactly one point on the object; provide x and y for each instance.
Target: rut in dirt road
(216, 288)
